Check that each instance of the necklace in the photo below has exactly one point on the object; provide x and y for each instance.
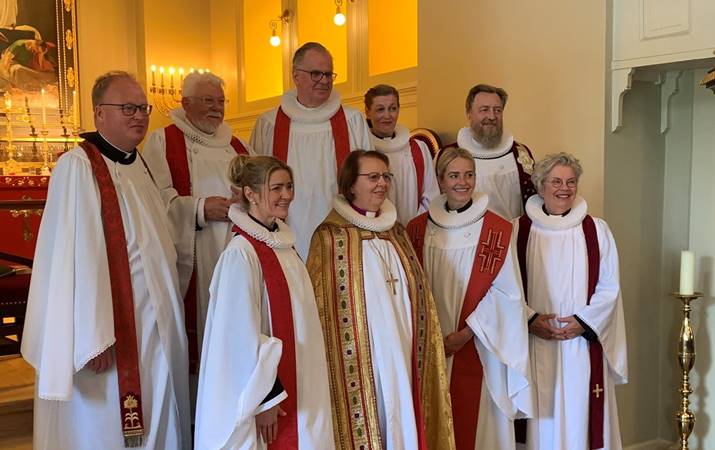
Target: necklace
(390, 280)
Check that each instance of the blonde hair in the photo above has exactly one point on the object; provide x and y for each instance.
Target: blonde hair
(446, 156)
(546, 165)
(253, 172)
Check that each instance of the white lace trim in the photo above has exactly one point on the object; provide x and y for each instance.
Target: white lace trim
(466, 141)
(452, 219)
(283, 238)
(299, 113)
(572, 219)
(221, 138)
(390, 144)
(383, 222)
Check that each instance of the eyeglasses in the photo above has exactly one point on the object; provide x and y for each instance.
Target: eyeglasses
(210, 101)
(374, 177)
(317, 75)
(558, 182)
(129, 109)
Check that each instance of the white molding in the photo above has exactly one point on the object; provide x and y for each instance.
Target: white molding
(621, 80)
(669, 88)
(672, 24)
(655, 444)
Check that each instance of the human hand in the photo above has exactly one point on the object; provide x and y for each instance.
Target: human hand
(454, 342)
(267, 423)
(101, 362)
(542, 328)
(216, 208)
(571, 330)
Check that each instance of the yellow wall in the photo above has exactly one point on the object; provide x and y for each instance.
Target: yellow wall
(315, 23)
(263, 62)
(392, 36)
(549, 56)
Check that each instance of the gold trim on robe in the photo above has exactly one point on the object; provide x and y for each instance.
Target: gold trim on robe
(335, 255)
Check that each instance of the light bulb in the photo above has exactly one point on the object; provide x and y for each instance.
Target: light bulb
(339, 18)
(275, 40)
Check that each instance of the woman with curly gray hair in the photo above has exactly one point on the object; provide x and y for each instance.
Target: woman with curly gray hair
(577, 343)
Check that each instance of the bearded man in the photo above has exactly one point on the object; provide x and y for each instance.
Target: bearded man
(503, 165)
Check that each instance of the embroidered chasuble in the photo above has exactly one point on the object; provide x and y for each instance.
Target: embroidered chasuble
(72, 313)
(474, 278)
(383, 343)
(574, 379)
(313, 142)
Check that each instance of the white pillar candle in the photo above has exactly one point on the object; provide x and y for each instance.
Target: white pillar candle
(44, 108)
(75, 109)
(687, 272)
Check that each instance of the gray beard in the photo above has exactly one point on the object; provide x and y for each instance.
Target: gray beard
(486, 139)
(205, 126)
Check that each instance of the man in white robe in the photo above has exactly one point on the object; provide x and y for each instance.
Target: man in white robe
(317, 134)
(189, 161)
(556, 262)
(70, 336)
(239, 364)
(504, 165)
(449, 242)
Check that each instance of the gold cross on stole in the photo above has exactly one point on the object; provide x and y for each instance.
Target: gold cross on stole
(598, 390)
(491, 251)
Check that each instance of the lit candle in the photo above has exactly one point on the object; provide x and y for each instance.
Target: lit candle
(44, 108)
(191, 70)
(171, 77)
(161, 73)
(75, 109)
(153, 75)
(8, 100)
(687, 272)
(207, 71)
(181, 77)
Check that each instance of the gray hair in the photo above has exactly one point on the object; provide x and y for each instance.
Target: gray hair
(305, 48)
(102, 83)
(547, 164)
(194, 79)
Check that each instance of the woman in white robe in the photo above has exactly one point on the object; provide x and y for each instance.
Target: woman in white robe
(563, 322)
(241, 395)
(410, 194)
(496, 328)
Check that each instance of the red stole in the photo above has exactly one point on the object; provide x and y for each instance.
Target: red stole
(282, 328)
(178, 162)
(467, 373)
(595, 350)
(125, 347)
(419, 162)
(341, 136)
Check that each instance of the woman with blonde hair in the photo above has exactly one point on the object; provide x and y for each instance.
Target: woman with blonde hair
(263, 376)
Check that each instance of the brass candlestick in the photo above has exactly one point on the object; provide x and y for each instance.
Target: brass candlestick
(684, 418)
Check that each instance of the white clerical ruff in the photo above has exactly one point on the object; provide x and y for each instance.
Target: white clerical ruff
(503, 172)
(239, 364)
(311, 153)
(409, 192)
(556, 261)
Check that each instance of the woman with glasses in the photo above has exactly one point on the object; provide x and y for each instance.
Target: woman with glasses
(382, 337)
(263, 375)
(464, 248)
(577, 344)
(410, 159)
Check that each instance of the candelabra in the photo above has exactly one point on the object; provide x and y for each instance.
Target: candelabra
(684, 418)
(166, 96)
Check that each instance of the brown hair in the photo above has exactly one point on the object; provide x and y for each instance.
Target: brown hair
(102, 83)
(253, 172)
(379, 91)
(305, 48)
(351, 168)
(446, 156)
(489, 90)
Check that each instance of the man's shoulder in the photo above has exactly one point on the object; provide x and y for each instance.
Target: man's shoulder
(350, 111)
(268, 116)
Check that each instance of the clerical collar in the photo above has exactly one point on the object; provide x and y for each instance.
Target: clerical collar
(543, 207)
(272, 228)
(109, 150)
(394, 135)
(536, 213)
(365, 212)
(471, 213)
(458, 210)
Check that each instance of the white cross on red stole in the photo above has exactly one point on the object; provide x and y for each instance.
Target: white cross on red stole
(491, 251)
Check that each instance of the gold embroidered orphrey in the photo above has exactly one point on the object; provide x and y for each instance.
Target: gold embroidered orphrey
(132, 425)
(491, 251)
(527, 163)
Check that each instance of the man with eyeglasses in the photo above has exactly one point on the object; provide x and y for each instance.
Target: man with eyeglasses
(189, 160)
(104, 323)
(313, 133)
(504, 165)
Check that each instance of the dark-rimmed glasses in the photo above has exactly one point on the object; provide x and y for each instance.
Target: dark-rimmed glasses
(317, 75)
(129, 109)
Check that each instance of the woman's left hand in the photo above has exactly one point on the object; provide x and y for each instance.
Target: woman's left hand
(572, 329)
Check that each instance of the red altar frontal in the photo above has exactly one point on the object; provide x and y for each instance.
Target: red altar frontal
(19, 214)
